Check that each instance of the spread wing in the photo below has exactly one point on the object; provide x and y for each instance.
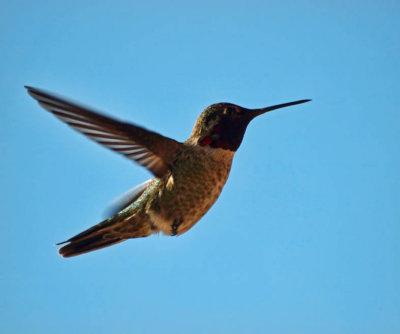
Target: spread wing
(150, 149)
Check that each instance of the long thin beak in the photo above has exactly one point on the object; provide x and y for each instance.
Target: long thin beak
(257, 112)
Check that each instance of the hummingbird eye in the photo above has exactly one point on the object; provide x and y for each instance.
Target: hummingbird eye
(230, 110)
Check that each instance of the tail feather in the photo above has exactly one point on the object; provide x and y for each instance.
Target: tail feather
(87, 233)
(86, 245)
(107, 233)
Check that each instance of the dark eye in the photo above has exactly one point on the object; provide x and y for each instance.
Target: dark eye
(230, 110)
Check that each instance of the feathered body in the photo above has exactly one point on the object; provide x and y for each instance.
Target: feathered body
(189, 176)
(180, 198)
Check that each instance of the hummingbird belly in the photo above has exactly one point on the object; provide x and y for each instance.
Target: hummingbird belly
(182, 197)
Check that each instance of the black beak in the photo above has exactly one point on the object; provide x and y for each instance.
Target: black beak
(257, 112)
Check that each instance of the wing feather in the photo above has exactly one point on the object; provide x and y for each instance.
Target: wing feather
(150, 149)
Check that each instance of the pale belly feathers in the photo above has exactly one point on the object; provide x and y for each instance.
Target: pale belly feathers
(188, 192)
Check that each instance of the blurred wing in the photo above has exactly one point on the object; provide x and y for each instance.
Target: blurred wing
(150, 149)
(126, 199)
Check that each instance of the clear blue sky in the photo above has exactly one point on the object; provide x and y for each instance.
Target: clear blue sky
(305, 237)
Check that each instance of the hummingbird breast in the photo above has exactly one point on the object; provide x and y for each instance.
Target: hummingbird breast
(185, 194)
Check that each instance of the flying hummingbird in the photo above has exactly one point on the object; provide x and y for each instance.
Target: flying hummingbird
(188, 176)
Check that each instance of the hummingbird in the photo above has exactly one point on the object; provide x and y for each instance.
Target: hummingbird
(188, 176)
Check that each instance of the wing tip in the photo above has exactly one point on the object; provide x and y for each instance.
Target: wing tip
(30, 88)
(34, 92)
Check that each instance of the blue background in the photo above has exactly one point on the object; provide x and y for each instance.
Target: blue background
(305, 237)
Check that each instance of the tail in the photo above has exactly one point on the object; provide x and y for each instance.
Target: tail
(107, 233)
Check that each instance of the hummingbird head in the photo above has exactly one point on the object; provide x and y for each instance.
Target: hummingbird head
(222, 125)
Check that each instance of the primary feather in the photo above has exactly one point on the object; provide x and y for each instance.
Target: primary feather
(148, 148)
